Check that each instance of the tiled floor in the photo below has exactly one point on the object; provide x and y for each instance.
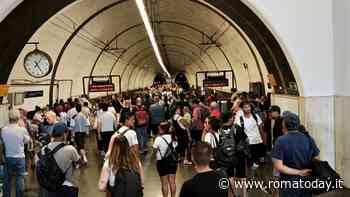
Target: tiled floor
(88, 178)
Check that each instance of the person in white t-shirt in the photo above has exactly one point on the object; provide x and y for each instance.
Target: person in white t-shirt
(252, 124)
(105, 126)
(167, 172)
(212, 137)
(71, 113)
(128, 132)
(112, 110)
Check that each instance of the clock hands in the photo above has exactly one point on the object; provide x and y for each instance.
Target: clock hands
(37, 66)
(40, 60)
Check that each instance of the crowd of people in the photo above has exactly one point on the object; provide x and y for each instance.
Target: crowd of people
(178, 125)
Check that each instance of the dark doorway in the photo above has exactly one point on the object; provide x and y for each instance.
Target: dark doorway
(159, 79)
(181, 80)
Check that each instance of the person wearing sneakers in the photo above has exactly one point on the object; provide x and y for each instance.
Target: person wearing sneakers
(167, 172)
(252, 125)
(80, 130)
(141, 124)
(67, 159)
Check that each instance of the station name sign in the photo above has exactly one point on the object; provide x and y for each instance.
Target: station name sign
(33, 94)
(101, 88)
(215, 81)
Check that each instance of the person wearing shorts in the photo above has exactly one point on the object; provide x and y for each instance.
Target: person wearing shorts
(237, 172)
(105, 126)
(167, 172)
(80, 130)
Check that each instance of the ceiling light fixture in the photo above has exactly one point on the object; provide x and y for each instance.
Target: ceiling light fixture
(145, 18)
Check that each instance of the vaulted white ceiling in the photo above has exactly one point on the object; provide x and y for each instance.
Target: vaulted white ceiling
(184, 27)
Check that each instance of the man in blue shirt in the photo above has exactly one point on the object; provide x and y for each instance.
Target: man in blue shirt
(157, 114)
(292, 156)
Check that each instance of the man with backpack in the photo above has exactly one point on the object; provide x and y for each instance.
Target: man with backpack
(55, 166)
(252, 125)
(233, 150)
(141, 125)
(128, 132)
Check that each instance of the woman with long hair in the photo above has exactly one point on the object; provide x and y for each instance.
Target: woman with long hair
(166, 170)
(212, 137)
(122, 172)
(206, 128)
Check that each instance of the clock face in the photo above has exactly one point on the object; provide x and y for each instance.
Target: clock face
(38, 64)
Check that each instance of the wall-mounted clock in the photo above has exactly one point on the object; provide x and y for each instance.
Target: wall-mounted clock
(37, 63)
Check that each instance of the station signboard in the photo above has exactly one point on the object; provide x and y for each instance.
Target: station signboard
(32, 94)
(215, 81)
(101, 87)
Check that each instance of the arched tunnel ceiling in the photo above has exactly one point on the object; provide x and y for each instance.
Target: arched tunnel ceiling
(181, 26)
(186, 22)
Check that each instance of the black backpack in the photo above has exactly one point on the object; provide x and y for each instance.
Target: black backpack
(127, 184)
(170, 156)
(50, 176)
(242, 143)
(225, 153)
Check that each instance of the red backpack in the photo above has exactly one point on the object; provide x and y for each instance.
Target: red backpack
(141, 116)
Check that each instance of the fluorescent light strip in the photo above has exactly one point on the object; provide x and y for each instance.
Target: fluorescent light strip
(144, 16)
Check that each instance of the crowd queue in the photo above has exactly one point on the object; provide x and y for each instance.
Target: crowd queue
(177, 125)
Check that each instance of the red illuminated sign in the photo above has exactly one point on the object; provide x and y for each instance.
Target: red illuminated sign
(101, 88)
(215, 83)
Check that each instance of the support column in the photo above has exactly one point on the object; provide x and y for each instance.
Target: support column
(342, 137)
(319, 120)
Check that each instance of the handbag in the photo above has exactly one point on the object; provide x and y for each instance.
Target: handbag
(322, 171)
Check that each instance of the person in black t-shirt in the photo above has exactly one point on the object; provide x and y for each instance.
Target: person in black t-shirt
(237, 171)
(206, 182)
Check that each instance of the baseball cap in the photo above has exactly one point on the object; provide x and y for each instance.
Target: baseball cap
(59, 129)
(291, 120)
